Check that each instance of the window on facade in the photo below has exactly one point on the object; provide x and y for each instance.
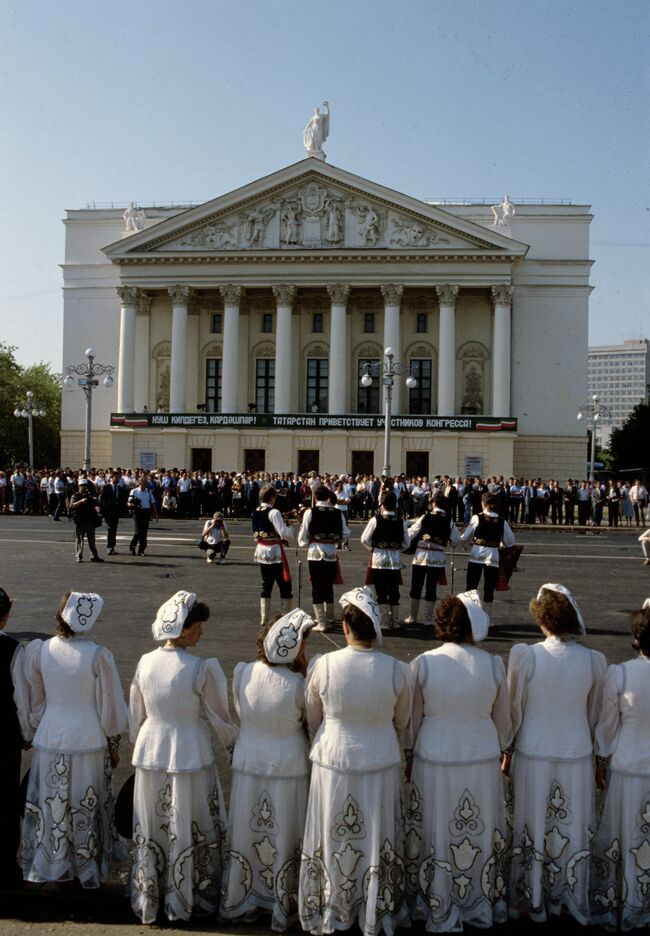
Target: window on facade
(420, 396)
(213, 385)
(317, 384)
(369, 323)
(267, 323)
(421, 323)
(265, 385)
(367, 397)
(216, 323)
(317, 325)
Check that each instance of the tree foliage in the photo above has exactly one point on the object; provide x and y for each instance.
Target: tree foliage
(630, 445)
(15, 381)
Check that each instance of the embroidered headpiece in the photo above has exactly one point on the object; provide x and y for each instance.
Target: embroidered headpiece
(81, 611)
(172, 615)
(478, 616)
(364, 599)
(283, 640)
(563, 590)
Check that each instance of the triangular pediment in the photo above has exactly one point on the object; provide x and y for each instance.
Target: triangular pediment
(312, 206)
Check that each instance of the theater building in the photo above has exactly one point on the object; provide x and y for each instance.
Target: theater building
(240, 330)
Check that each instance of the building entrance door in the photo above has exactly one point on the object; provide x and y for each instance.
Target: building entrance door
(201, 459)
(363, 462)
(254, 460)
(417, 464)
(308, 460)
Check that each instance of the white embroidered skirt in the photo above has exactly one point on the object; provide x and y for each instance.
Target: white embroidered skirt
(352, 867)
(553, 821)
(456, 845)
(621, 866)
(179, 827)
(68, 830)
(267, 818)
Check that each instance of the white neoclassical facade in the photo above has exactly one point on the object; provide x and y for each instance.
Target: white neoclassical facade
(240, 329)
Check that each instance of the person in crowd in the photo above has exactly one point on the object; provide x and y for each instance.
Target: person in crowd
(625, 507)
(386, 535)
(215, 534)
(270, 782)
(621, 853)
(613, 499)
(17, 482)
(84, 508)
(486, 532)
(358, 703)
(429, 537)
(169, 506)
(583, 500)
(11, 657)
(639, 498)
(456, 810)
(271, 534)
(570, 492)
(323, 528)
(72, 710)
(343, 504)
(597, 504)
(179, 816)
(143, 504)
(515, 500)
(555, 699)
(556, 499)
(109, 504)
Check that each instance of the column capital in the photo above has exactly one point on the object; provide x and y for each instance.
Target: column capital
(231, 294)
(142, 301)
(339, 293)
(127, 294)
(180, 295)
(447, 294)
(502, 294)
(392, 294)
(284, 295)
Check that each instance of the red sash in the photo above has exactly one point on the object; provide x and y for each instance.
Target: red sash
(286, 571)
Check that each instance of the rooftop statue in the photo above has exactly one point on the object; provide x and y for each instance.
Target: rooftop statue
(316, 132)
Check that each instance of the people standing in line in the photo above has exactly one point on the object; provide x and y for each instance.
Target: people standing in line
(343, 504)
(583, 499)
(516, 500)
(358, 703)
(215, 533)
(270, 776)
(613, 498)
(109, 504)
(184, 506)
(143, 504)
(597, 504)
(569, 502)
(456, 810)
(556, 499)
(11, 657)
(84, 508)
(72, 710)
(486, 532)
(271, 534)
(555, 700)
(323, 528)
(639, 498)
(386, 535)
(429, 536)
(17, 482)
(179, 816)
(619, 886)
(626, 510)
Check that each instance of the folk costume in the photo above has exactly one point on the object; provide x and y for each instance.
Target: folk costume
(11, 658)
(179, 816)
(456, 865)
(271, 534)
(386, 535)
(270, 780)
(72, 708)
(486, 532)
(429, 536)
(323, 529)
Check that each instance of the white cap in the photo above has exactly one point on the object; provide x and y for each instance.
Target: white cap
(478, 616)
(82, 610)
(364, 599)
(284, 638)
(172, 615)
(563, 590)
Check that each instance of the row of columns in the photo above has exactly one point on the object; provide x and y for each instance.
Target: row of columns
(338, 354)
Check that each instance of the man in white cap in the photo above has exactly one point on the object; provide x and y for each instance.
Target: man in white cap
(84, 508)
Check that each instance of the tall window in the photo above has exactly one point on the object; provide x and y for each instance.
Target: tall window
(213, 385)
(265, 384)
(367, 397)
(317, 325)
(267, 323)
(369, 323)
(421, 322)
(420, 396)
(317, 384)
(216, 323)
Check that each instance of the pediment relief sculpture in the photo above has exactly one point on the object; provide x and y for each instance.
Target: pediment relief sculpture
(408, 232)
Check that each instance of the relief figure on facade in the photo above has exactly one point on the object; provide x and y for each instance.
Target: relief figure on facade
(370, 227)
(472, 391)
(134, 219)
(291, 225)
(334, 224)
(256, 226)
(162, 386)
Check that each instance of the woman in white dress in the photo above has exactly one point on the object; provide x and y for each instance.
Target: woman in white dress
(72, 709)
(456, 832)
(555, 698)
(620, 872)
(270, 782)
(179, 817)
(358, 702)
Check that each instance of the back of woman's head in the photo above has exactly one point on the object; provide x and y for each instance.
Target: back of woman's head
(641, 631)
(555, 614)
(359, 623)
(198, 612)
(452, 622)
(62, 628)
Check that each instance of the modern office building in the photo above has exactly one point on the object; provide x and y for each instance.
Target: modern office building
(620, 375)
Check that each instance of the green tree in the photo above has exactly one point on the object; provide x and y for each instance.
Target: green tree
(630, 445)
(15, 381)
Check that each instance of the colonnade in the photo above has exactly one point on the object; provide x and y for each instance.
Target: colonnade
(339, 295)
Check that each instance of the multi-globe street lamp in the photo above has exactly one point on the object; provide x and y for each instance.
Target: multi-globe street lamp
(594, 412)
(87, 380)
(387, 369)
(28, 410)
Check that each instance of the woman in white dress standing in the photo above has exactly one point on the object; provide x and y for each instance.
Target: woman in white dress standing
(179, 817)
(72, 709)
(620, 873)
(555, 698)
(358, 703)
(270, 782)
(456, 832)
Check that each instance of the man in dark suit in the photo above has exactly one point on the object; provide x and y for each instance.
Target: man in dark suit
(110, 506)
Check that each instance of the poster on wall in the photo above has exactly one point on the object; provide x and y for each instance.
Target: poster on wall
(473, 466)
(147, 461)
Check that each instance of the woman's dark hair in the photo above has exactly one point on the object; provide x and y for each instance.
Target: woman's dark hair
(200, 612)
(359, 623)
(5, 603)
(641, 631)
(452, 623)
(389, 500)
(299, 665)
(555, 614)
(62, 628)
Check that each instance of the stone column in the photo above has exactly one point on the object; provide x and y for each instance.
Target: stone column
(180, 296)
(502, 299)
(126, 352)
(392, 336)
(447, 350)
(284, 296)
(230, 363)
(142, 350)
(338, 367)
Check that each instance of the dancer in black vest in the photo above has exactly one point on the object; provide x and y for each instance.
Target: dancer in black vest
(12, 745)
(429, 536)
(323, 529)
(486, 532)
(271, 535)
(386, 536)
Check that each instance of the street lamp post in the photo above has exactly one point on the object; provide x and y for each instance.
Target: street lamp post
(88, 374)
(28, 410)
(387, 370)
(594, 411)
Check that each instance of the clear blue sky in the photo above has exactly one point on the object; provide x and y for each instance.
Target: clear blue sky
(157, 100)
